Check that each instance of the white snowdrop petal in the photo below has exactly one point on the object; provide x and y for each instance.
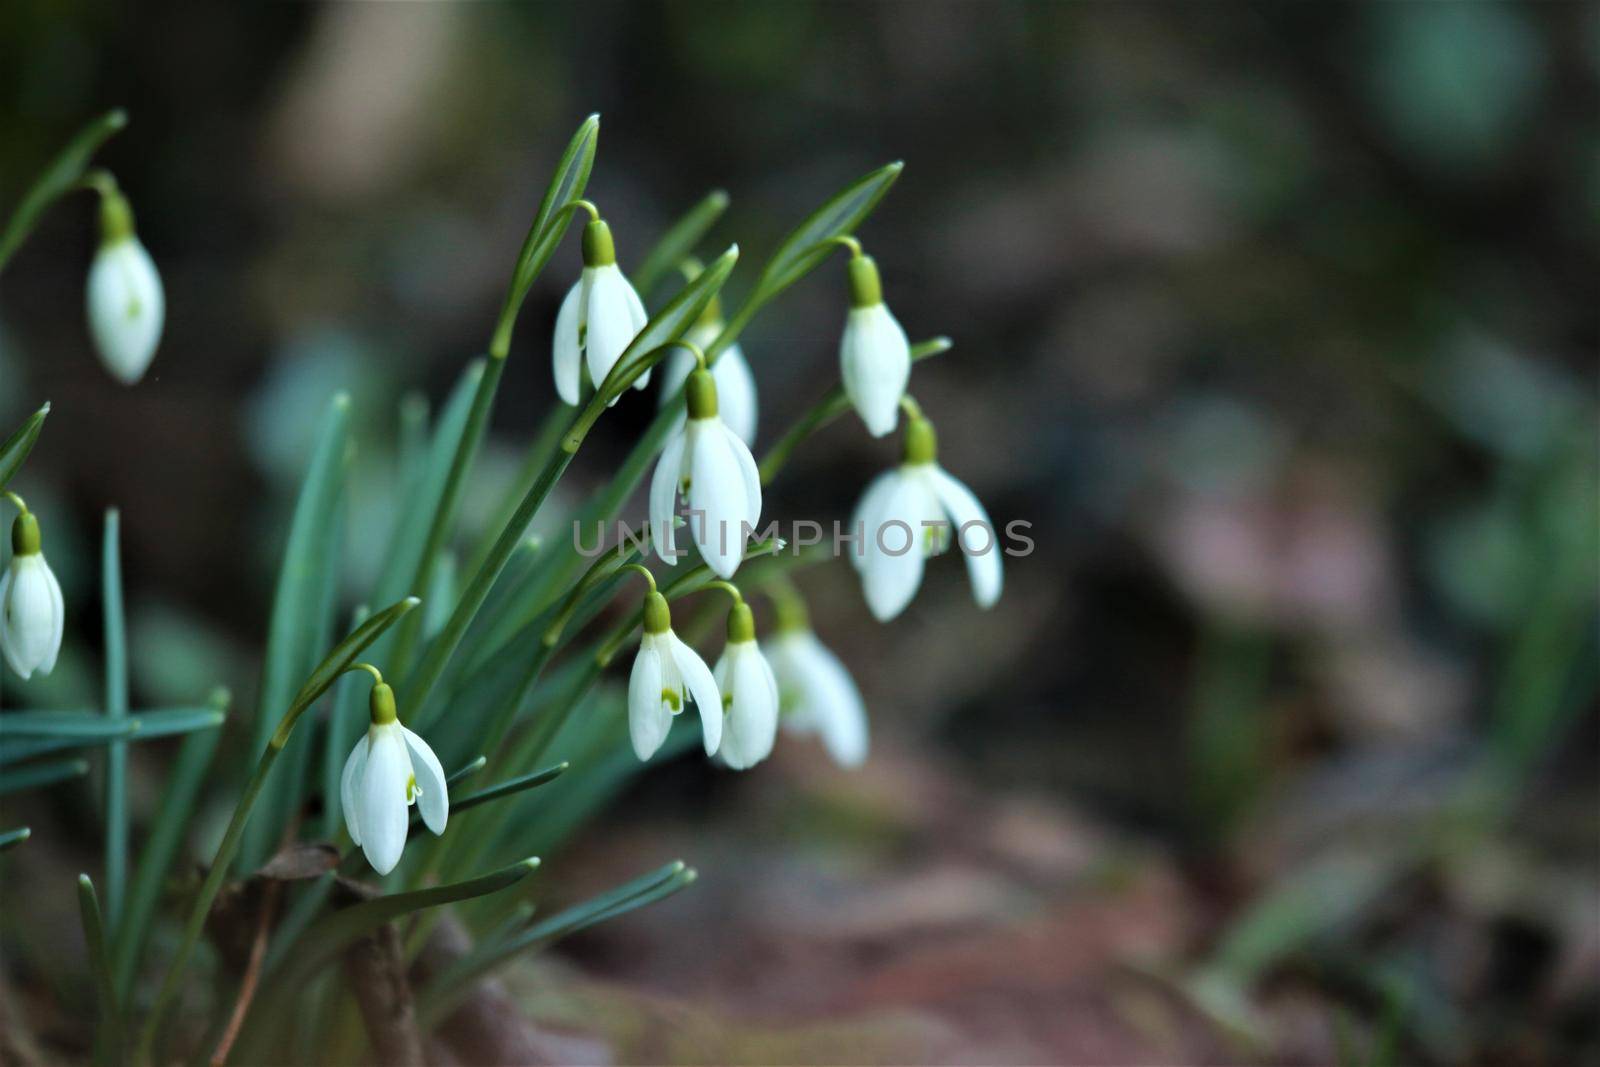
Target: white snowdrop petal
(58, 613)
(126, 308)
(702, 687)
(891, 571)
(749, 473)
(354, 769)
(7, 642)
(568, 351)
(609, 321)
(983, 566)
(736, 393)
(717, 494)
(752, 721)
(664, 498)
(382, 799)
(869, 514)
(434, 803)
(31, 616)
(875, 363)
(841, 715)
(648, 721)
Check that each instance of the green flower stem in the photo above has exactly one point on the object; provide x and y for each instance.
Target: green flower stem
(410, 631)
(824, 411)
(58, 179)
(109, 1039)
(545, 442)
(421, 682)
(116, 784)
(15, 449)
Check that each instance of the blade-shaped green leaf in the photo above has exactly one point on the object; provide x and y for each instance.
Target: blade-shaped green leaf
(39, 775)
(57, 180)
(679, 242)
(12, 838)
(466, 771)
(168, 830)
(445, 991)
(298, 623)
(567, 184)
(19, 444)
(508, 787)
(810, 244)
(94, 934)
(116, 783)
(89, 727)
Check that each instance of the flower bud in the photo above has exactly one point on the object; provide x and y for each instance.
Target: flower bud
(125, 302)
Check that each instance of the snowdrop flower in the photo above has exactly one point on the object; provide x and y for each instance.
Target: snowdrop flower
(874, 355)
(390, 769)
(126, 305)
(667, 674)
(31, 612)
(817, 695)
(712, 468)
(598, 320)
(749, 693)
(910, 513)
(736, 386)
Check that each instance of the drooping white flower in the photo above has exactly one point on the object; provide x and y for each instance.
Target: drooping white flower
(599, 318)
(749, 694)
(713, 469)
(913, 512)
(817, 695)
(390, 769)
(736, 386)
(31, 611)
(667, 674)
(874, 354)
(125, 302)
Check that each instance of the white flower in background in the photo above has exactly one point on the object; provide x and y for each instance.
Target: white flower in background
(874, 354)
(817, 695)
(712, 468)
(749, 694)
(736, 386)
(667, 674)
(390, 769)
(913, 512)
(31, 612)
(125, 302)
(598, 320)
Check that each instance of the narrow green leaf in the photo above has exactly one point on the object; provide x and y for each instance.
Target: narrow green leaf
(809, 245)
(38, 775)
(57, 180)
(19, 444)
(116, 785)
(824, 411)
(94, 934)
(330, 934)
(169, 829)
(297, 608)
(10, 839)
(445, 991)
(508, 788)
(567, 184)
(339, 737)
(88, 727)
(466, 772)
(680, 240)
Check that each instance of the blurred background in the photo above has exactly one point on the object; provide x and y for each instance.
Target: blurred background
(1278, 324)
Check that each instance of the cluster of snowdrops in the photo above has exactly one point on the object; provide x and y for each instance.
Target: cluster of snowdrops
(705, 471)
